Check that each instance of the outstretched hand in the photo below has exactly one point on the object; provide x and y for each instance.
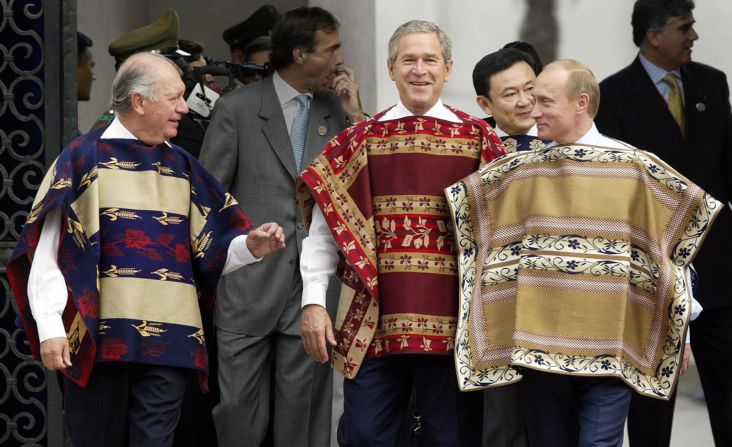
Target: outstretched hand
(265, 239)
(346, 87)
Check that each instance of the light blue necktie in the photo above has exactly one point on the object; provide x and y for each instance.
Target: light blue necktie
(298, 134)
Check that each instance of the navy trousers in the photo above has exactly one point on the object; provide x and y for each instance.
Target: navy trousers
(375, 403)
(125, 404)
(567, 411)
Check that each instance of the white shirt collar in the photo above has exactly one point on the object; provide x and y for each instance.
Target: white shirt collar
(655, 72)
(117, 130)
(438, 111)
(285, 92)
(592, 137)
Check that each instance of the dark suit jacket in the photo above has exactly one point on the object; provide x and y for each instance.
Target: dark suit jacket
(247, 148)
(632, 110)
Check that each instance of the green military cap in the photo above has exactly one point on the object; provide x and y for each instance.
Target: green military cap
(159, 37)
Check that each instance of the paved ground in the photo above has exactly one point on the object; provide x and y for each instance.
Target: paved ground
(691, 421)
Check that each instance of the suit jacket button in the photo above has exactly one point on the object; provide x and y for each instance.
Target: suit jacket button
(300, 226)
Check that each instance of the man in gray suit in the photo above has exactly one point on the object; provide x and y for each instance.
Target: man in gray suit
(254, 146)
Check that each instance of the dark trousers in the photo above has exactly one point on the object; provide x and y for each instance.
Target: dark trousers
(196, 427)
(125, 404)
(568, 411)
(375, 403)
(503, 421)
(650, 421)
(711, 341)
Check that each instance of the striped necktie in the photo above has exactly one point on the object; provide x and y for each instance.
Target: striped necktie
(298, 134)
(675, 102)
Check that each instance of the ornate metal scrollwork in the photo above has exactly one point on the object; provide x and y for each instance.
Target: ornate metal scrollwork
(24, 401)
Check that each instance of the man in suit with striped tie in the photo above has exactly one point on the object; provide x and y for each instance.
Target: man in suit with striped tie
(679, 109)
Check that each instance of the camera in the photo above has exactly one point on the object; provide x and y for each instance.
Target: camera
(203, 83)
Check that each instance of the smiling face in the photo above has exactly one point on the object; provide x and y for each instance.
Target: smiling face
(420, 71)
(157, 118)
(554, 111)
(510, 99)
(671, 47)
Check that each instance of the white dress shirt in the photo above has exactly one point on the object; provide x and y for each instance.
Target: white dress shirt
(657, 74)
(287, 94)
(319, 258)
(47, 294)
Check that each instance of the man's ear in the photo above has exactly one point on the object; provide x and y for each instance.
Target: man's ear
(448, 70)
(583, 103)
(485, 104)
(390, 67)
(298, 55)
(136, 101)
(653, 38)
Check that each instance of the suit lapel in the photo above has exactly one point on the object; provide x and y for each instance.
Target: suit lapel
(695, 109)
(651, 106)
(274, 127)
(318, 129)
(696, 99)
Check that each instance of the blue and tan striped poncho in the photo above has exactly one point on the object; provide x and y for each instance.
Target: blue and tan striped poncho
(145, 234)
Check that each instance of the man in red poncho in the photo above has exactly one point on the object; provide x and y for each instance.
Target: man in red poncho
(378, 186)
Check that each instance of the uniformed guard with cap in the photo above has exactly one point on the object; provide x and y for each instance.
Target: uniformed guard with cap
(257, 24)
(159, 37)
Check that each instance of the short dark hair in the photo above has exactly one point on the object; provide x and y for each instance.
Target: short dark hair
(496, 62)
(82, 43)
(261, 43)
(529, 49)
(297, 29)
(655, 14)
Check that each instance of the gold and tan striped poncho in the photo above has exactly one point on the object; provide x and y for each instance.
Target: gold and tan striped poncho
(572, 261)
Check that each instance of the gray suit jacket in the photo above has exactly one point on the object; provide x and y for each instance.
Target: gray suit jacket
(247, 148)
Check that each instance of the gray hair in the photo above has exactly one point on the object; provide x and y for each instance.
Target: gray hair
(138, 74)
(420, 26)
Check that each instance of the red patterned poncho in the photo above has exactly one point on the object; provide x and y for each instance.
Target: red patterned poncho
(380, 187)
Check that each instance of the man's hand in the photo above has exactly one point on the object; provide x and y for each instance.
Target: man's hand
(346, 87)
(55, 353)
(265, 239)
(685, 359)
(316, 328)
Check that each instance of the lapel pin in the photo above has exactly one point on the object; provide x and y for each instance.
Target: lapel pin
(322, 130)
(700, 106)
